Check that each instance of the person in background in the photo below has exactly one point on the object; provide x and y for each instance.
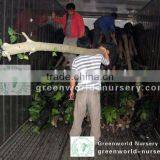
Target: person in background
(88, 92)
(73, 28)
(104, 25)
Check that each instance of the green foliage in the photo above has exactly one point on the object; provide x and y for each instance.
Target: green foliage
(69, 113)
(36, 97)
(36, 130)
(55, 112)
(144, 115)
(56, 103)
(58, 96)
(26, 57)
(12, 35)
(110, 114)
(1, 42)
(144, 112)
(126, 97)
(13, 38)
(22, 56)
(54, 52)
(10, 31)
(122, 111)
(35, 110)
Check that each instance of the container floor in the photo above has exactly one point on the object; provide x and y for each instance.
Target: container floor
(53, 144)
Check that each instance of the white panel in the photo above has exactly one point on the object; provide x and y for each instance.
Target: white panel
(90, 22)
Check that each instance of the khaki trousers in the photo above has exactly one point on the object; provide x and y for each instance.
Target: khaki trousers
(90, 100)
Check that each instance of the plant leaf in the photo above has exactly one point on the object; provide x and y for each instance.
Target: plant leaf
(1, 42)
(58, 96)
(10, 31)
(20, 55)
(54, 54)
(25, 57)
(55, 112)
(13, 38)
(110, 114)
(143, 116)
(36, 130)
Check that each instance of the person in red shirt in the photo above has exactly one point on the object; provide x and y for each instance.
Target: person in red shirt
(73, 28)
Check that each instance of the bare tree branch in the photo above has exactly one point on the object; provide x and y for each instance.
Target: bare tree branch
(31, 46)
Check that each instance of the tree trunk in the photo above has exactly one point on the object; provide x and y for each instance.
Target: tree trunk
(32, 46)
(128, 57)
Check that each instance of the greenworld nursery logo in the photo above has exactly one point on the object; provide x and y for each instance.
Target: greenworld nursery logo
(15, 80)
(82, 146)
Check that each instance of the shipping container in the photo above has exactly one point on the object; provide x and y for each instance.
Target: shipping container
(35, 121)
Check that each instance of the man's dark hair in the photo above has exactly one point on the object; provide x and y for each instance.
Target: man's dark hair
(128, 28)
(83, 42)
(70, 6)
(114, 15)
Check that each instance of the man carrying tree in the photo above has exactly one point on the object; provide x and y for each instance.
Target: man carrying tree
(105, 25)
(73, 28)
(87, 69)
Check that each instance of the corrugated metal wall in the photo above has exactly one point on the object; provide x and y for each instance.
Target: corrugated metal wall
(149, 48)
(150, 38)
(13, 109)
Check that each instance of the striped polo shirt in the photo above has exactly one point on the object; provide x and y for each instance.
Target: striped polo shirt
(87, 70)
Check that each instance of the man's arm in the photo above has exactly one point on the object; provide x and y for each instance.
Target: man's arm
(72, 86)
(73, 80)
(105, 53)
(58, 19)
